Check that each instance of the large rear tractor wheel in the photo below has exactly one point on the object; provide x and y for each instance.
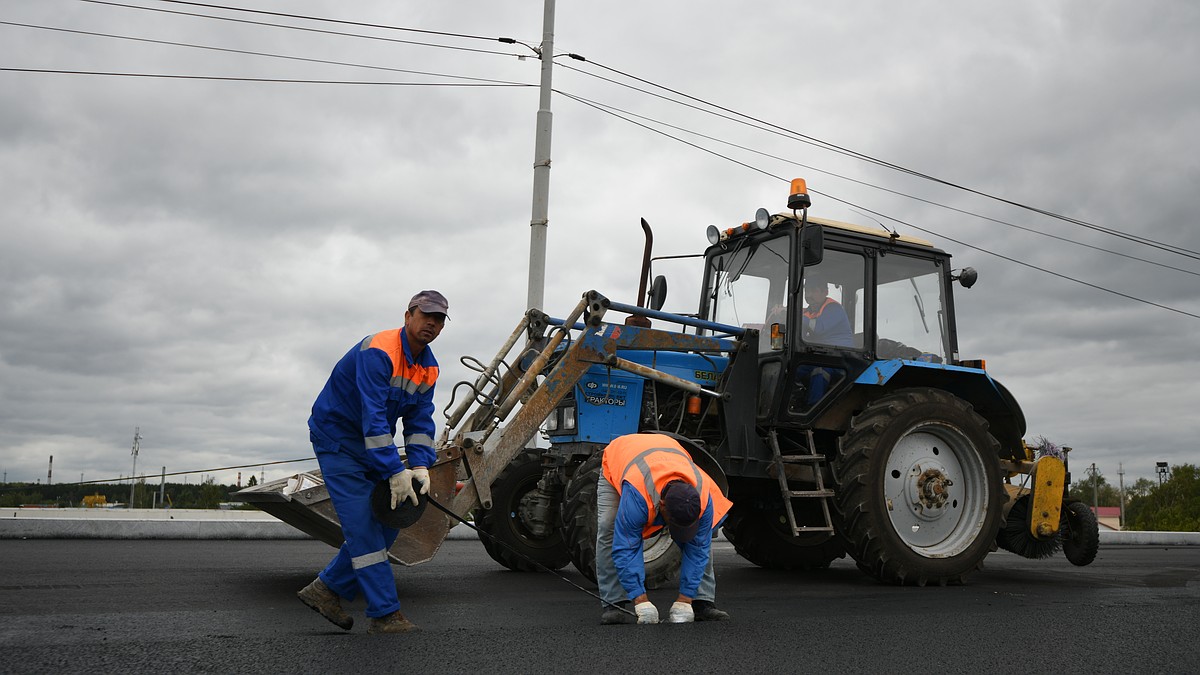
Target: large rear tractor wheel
(660, 555)
(513, 523)
(919, 490)
(763, 538)
(1080, 534)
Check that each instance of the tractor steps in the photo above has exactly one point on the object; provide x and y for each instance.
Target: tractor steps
(789, 495)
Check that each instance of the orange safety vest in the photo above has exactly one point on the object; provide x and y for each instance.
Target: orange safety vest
(809, 314)
(649, 462)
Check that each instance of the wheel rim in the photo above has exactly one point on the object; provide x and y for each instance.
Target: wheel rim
(935, 490)
(520, 518)
(656, 546)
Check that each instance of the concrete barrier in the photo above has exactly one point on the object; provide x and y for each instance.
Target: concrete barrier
(154, 524)
(243, 524)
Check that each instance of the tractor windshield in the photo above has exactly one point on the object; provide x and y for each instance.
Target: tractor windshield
(747, 283)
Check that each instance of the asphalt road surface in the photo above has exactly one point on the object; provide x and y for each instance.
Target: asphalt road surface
(72, 606)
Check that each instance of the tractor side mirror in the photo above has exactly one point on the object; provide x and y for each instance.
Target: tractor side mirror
(967, 276)
(658, 292)
(812, 244)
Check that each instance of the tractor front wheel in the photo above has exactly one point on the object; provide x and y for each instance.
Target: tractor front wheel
(511, 532)
(919, 493)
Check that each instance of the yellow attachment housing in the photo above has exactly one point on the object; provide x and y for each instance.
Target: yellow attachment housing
(1045, 504)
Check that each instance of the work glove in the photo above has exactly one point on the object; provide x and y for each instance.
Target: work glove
(646, 612)
(422, 474)
(681, 612)
(402, 488)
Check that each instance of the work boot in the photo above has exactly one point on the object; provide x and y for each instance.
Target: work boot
(706, 610)
(392, 623)
(618, 613)
(318, 596)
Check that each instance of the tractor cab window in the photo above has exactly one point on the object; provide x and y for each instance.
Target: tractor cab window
(910, 316)
(748, 284)
(831, 301)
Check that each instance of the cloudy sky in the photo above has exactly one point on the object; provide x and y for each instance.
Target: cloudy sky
(190, 256)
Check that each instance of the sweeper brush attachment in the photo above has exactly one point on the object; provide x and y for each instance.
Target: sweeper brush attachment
(1016, 537)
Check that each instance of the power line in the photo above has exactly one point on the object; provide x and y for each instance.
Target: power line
(254, 53)
(897, 220)
(1010, 259)
(329, 20)
(1170, 248)
(598, 106)
(261, 79)
(303, 28)
(174, 473)
(789, 133)
(880, 187)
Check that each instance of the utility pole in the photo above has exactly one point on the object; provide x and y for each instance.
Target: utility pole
(1095, 493)
(162, 489)
(137, 439)
(539, 222)
(1121, 482)
(50, 470)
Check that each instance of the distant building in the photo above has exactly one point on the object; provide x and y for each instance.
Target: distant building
(1109, 517)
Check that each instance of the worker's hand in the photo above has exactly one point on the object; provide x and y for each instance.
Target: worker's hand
(422, 474)
(646, 612)
(681, 612)
(402, 488)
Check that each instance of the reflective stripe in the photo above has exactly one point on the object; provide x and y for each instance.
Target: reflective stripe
(410, 386)
(372, 442)
(419, 439)
(366, 343)
(368, 559)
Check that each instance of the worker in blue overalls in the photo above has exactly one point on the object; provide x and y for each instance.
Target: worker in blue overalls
(386, 377)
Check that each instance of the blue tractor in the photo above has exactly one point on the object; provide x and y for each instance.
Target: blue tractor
(819, 382)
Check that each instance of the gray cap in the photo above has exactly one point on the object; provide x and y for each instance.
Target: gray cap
(430, 302)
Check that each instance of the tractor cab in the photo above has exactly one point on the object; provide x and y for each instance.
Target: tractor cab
(829, 300)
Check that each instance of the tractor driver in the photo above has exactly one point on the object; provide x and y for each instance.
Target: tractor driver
(825, 321)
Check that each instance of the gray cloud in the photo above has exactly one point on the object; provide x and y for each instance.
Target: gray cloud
(191, 257)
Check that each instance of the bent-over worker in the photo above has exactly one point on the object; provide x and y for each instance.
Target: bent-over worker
(649, 482)
(386, 377)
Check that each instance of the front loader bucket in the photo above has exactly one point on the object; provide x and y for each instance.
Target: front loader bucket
(303, 502)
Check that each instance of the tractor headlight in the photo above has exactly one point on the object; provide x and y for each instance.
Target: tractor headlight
(551, 424)
(568, 418)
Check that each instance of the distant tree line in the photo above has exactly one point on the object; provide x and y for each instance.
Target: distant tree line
(204, 495)
(1173, 506)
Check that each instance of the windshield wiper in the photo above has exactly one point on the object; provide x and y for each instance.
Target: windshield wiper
(920, 303)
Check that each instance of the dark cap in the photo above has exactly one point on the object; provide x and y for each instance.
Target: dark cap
(681, 502)
(430, 302)
(403, 515)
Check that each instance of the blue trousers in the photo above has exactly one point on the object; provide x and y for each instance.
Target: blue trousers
(361, 564)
